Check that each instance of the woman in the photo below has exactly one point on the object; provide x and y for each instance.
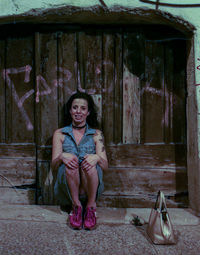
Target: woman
(79, 155)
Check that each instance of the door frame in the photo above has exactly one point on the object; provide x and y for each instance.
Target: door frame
(100, 15)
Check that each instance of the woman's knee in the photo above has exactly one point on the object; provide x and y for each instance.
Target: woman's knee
(71, 172)
(92, 172)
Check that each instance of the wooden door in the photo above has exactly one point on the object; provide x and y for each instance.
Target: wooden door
(136, 76)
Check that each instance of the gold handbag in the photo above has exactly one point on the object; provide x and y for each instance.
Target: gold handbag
(159, 227)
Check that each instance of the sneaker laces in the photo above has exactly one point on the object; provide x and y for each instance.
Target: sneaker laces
(90, 214)
(75, 213)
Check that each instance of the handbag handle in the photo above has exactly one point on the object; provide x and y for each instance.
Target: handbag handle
(161, 198)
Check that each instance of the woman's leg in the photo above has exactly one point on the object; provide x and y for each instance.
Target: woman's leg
(73, 180)
(89, 183)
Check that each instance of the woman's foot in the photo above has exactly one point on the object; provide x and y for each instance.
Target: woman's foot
(75, 217)
(90, 218)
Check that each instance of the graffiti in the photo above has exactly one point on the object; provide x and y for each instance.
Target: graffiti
(19, 101)
(157, 3)
(42, 87)
(152, 90)
(64, 76)
(41, 80)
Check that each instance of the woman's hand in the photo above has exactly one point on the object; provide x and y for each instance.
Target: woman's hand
(70, 160)
(90, 160)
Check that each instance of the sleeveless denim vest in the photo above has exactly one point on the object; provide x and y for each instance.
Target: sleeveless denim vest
(86, 145)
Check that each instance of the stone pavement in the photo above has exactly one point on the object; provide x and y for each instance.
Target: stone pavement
(43, 230)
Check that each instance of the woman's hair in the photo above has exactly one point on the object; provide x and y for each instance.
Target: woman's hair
(91, 118)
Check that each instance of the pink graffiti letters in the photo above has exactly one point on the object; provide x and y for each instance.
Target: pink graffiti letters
(42, 88)
(19, 101)
(63, 77)
(41, 80)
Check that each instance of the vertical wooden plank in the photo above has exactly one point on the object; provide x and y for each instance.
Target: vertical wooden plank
(90, 60)
(94, 62)
(2, 93)
(37, 73)
(98, 102)
(131, 89)
(46, 69)
(81, 67)
(131, 107)
(67, 70)
(108, 85)
(46, 94)
(19, 81)
(153, 94)
(192, 131)
(118, 88)
(168, 94)
(9, 103)
(179, 92)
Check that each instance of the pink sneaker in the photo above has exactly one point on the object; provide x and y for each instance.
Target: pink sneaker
(75, 217)
(90, 219)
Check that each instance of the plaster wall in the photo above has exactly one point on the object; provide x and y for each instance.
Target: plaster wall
(186, 11)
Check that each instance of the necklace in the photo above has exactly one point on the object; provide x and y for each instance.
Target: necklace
(75, 127)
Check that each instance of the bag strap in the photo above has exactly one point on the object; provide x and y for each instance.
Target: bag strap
(163, 206)
(161, 199)
(156, 203)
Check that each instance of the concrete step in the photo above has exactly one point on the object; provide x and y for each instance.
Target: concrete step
(105, 215)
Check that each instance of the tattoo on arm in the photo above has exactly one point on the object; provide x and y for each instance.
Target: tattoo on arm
(101, 139)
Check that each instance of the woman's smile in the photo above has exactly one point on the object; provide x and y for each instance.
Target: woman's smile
(78, 116)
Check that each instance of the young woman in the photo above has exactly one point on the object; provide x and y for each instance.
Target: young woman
(79, 155)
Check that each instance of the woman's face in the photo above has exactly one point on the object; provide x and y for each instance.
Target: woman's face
(79, 111)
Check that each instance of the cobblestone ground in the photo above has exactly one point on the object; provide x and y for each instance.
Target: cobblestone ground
(51, 238)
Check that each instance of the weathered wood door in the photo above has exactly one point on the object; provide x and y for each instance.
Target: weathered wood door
(137, 78)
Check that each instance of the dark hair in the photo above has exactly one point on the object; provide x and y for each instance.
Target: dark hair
(91, 118)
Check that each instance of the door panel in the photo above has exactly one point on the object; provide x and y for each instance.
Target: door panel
(152, 152)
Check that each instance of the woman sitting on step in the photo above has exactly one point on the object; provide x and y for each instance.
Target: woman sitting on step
(79, 155)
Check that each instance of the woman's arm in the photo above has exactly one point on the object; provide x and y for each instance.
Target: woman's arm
(90, 160)
(57, 149)
(100, 150)
(58, 156)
